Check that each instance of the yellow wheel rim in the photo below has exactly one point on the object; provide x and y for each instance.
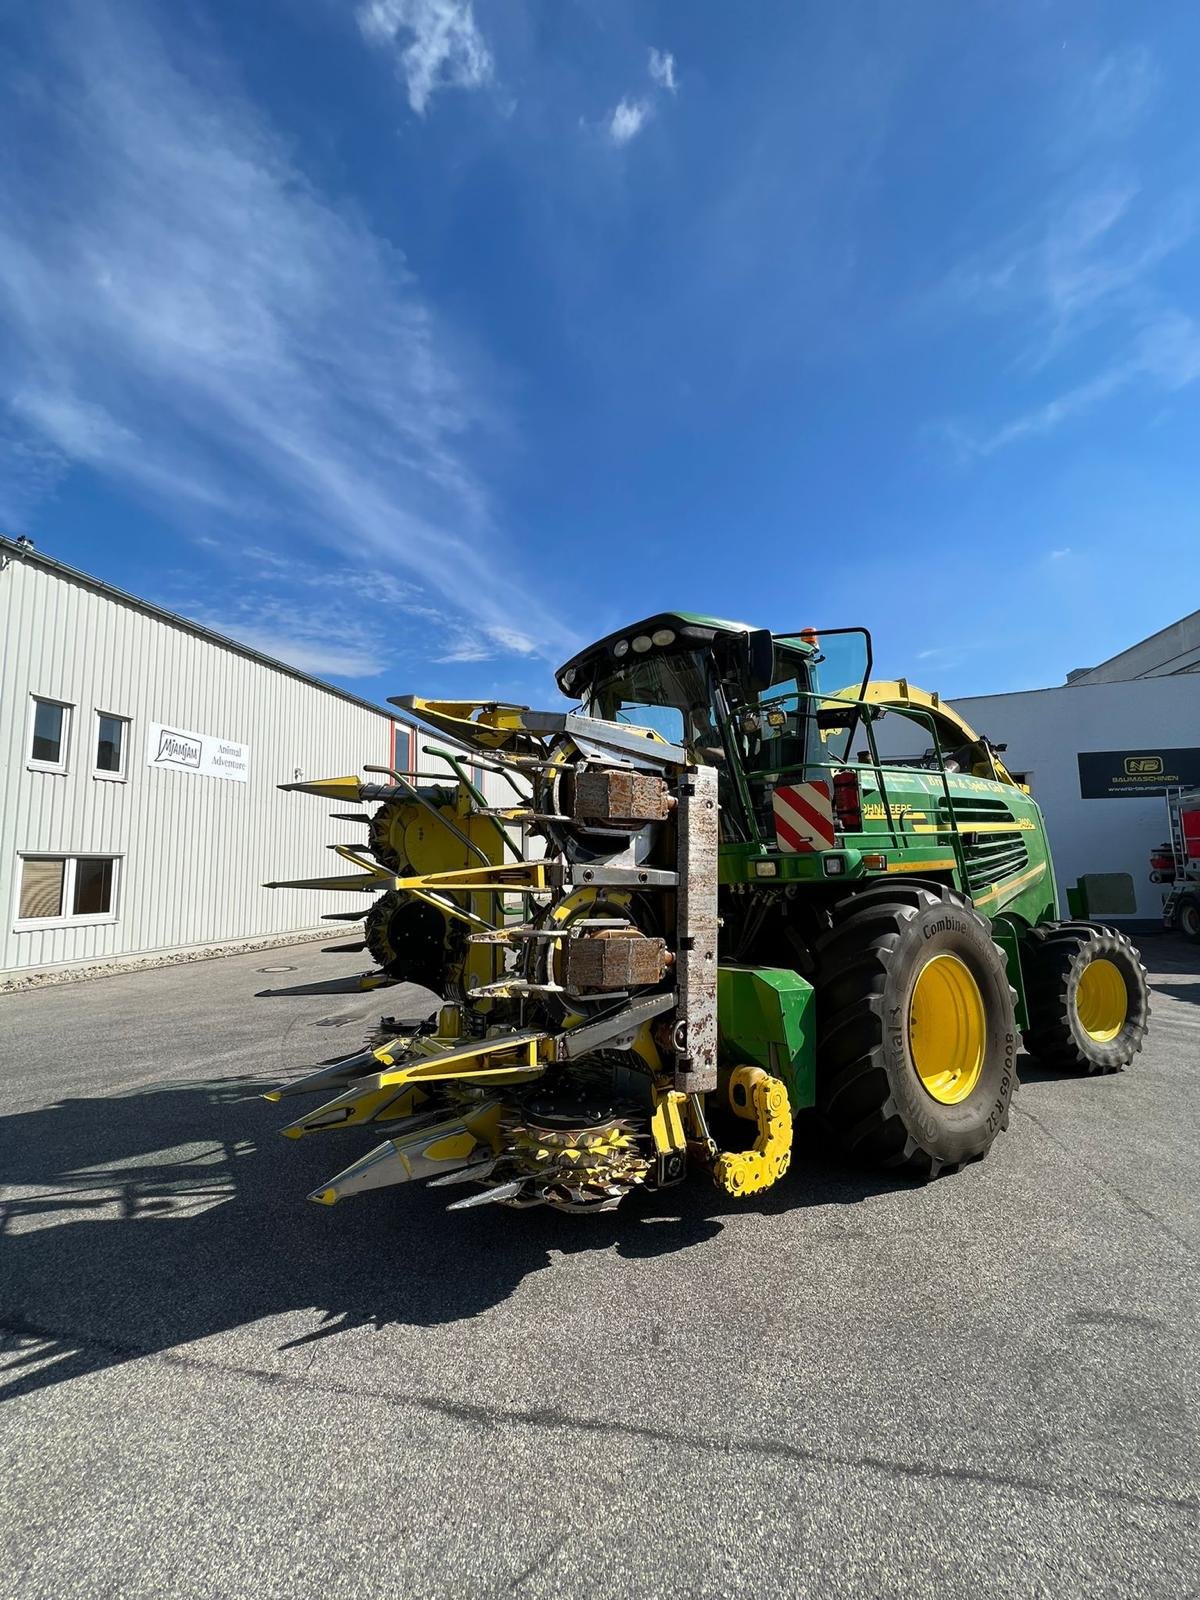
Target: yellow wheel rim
(1101, 1000)
(947, 1029)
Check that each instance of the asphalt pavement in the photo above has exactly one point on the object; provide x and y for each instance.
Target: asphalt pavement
(981, 1386)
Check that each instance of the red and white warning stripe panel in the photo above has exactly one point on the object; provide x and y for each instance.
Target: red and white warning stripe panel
(803, 817)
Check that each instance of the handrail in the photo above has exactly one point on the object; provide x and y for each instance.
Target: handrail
(483, 764)
(476, 793)
(865, 710)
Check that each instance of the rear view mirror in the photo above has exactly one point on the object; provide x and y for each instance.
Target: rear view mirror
(759, 660)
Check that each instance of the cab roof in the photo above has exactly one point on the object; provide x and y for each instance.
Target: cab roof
(689, 626)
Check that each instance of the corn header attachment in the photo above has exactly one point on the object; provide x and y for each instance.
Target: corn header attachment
(572, 937)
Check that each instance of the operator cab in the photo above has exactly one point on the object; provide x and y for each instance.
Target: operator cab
(760, 707)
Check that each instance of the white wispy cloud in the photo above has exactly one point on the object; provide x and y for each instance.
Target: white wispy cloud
(628, 119)
(310, 648)
(632, 112)
(1081, 281)
(77, 427)
(437, 44)
(1165, 354)
(488, 643)
(1091, 249)
(30, 471)
(288, 608)
(512, 640)
(1113, 97)
(662, 69)
(327, 620)
(467, 648)
(183, 313)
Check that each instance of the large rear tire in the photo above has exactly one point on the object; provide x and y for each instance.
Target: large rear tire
(917, 1042)
(1088, 999)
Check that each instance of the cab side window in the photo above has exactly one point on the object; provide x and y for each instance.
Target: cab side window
(775, 733)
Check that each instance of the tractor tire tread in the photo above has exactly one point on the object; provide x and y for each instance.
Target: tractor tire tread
(856, 1094)
(1048, 1036)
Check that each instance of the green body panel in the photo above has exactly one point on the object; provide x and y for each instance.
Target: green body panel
(1003, 861)
(766, 1017)
(1008, 937)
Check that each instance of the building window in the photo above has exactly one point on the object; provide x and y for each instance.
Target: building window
(41, 890)
(64, 889)
(50, 731)
(92, 894)
(111, 745)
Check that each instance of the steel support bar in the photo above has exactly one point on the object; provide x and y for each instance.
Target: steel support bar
(696, 923)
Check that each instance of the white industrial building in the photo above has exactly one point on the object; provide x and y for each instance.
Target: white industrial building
(1100, 751)
(139, 807)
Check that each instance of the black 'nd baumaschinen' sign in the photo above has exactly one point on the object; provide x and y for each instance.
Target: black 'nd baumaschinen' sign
(1114, 774)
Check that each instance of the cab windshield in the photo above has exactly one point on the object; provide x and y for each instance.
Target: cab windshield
(839, 674)
(669, 693)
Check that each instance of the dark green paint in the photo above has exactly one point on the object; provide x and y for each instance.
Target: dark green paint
(767, 1017)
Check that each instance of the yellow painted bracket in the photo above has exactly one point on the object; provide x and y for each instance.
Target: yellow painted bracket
(517, 1055)
(666, 1123)
(424, 1153)
(395, 1093)
(361, 882)
(487, 724)
(758, 1096)
(347, 788)
(527, 877)
(952, 729)
(449, 908)
(358, 1105)
(355, 858)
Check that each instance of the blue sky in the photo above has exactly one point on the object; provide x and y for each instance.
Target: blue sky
(418, 342)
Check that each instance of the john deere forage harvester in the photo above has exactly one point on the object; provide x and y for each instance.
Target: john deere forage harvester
(712, 903)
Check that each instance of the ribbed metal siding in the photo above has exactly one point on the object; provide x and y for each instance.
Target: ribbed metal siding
(194, 850)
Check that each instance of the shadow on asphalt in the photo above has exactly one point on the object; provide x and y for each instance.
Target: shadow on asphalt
(146, 1220)
(350, 985)
(1180, 991)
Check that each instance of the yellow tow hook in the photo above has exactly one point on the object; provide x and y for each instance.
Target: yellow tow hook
(757, 1096)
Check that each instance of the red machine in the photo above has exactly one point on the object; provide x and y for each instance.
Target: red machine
(1177, 863)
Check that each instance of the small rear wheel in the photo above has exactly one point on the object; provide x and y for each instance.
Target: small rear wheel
(1187, 917)
(1089, 1002)
(917, 1040)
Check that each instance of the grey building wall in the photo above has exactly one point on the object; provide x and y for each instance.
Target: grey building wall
(192, 851)
(1169, 651)
(1045, 730)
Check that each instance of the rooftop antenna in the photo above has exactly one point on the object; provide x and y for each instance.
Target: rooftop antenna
(24, 545)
